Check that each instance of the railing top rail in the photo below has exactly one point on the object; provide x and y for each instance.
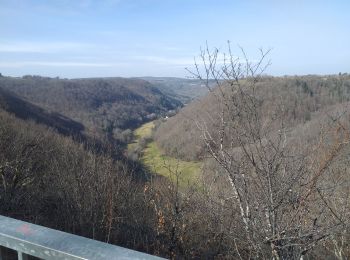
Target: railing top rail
(48, 243)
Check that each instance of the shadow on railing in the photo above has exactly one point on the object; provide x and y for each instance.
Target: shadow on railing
(28, 241)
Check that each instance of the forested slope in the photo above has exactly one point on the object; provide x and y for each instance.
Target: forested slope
(102, 105)
(182, 89)
(275, 151)
(50, 180)
(26, 110)
(302, 97)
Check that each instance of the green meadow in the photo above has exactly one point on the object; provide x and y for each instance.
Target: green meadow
(161, 164)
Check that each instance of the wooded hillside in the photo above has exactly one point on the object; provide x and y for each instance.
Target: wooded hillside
(304, 98)
(103, 106)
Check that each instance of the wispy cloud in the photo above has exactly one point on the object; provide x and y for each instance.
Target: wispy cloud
(42, 47)
(164, 60)
(188, 60)
(18, 64)
(67, 7)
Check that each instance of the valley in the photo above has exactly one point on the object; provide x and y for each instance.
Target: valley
(185, 172)
(149, 168)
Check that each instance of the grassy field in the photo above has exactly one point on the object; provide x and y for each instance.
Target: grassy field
(143, 131)
(167, 166)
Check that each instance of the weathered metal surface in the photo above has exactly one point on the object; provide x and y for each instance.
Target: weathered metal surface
(48, 243)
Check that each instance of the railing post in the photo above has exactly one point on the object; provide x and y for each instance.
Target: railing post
(22, 256)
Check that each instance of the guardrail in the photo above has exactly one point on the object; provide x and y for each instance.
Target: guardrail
(31, 240)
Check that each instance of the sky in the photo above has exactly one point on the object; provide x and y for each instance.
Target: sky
(132, 38)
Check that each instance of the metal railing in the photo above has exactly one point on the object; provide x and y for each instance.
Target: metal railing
(45, 243)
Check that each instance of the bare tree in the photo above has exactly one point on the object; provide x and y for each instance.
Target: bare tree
(276, 183)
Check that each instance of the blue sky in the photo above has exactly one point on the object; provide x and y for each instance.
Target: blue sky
(90, 38)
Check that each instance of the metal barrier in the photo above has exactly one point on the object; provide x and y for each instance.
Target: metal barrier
(45, 243)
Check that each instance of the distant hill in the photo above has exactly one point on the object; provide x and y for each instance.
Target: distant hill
(185, 90)
(25, 110)
(305, 99)
(101, 105)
